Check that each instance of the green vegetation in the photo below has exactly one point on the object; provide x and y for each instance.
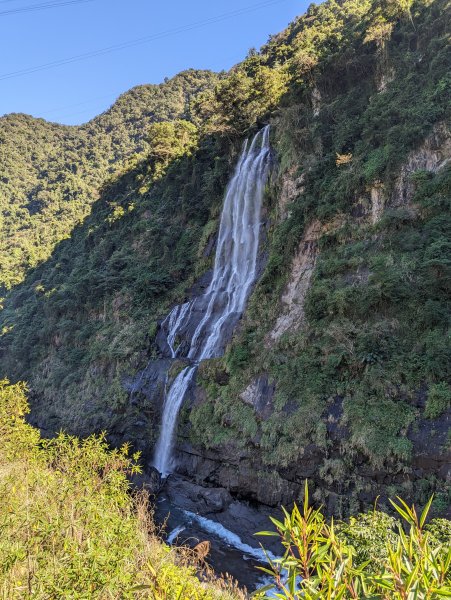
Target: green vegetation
(112, 223)
(377, 309)
(371, 558)
(51, 174)
(144, 237)
(71, 529)
(104, 227)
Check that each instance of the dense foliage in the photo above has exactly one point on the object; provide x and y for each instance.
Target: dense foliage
(146, 234)
(50, 174)
(373, 349)
(323, 560)
(337, 87)
(69, 526)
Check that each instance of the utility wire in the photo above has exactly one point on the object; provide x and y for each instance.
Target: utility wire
(35, 7)
(88, 101)
(7, 1)
(142, 40)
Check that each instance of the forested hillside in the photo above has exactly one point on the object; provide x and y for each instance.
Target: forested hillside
(339, 370)
(50, 174)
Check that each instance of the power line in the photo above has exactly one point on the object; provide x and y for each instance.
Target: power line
(62, 120)
(143, 40)
(7, 1)
(35, 7)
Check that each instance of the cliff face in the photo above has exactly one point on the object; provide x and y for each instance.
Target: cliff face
(338, 371)
(344, 482)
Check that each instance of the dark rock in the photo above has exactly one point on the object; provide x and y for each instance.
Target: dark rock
(195, 498)
(149, 480)
(259, 394)
(431, 453)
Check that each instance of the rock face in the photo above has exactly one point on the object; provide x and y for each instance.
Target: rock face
(244, 472)
(238, 471)
(316, 101)
(195, 498)
(302, 269)
(386, 76)
(377, 196)
(210, 481)
(245, 475)
(259, 394)
(291, 187)
(432, 155)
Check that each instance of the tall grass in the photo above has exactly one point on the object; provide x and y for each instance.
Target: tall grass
(70, 528)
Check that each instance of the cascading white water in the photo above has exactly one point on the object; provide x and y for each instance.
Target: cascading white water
(174, 320)
(233, 275)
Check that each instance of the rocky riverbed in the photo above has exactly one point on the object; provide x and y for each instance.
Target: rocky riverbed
(190, 514)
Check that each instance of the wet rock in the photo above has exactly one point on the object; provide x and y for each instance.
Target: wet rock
(148, 383)
(239, 472)
(216, 499)
(195, 498)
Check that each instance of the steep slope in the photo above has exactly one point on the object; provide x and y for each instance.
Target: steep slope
(339, 369)
(50, 174)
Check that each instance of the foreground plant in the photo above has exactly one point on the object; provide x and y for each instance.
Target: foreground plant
(319, 563)
(70, 528)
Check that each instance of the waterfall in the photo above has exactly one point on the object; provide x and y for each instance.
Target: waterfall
(224, 300)
(174, 320)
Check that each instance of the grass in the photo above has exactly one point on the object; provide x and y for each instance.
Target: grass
(70, 527)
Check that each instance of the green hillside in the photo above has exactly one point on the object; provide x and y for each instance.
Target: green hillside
(116, 226)
(51, 174)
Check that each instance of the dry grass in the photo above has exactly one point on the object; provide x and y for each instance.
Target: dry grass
(69, 527)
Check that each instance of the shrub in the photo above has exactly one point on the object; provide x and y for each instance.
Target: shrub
(70, 527)
(438, 400)
(323, 560)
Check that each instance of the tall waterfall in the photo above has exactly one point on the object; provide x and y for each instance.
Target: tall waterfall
(225, 298)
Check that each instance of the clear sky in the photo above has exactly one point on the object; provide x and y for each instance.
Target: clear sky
(75, 92)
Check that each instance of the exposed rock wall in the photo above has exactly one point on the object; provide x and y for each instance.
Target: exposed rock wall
(246, 476)
(302, 268)
(291, 188)
(432, 155)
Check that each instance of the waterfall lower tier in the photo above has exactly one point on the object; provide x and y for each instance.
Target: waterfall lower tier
(233, 276)
(172, 403)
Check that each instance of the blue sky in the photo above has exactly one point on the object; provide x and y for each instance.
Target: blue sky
(74, 93)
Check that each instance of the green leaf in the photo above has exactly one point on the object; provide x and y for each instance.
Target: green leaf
(425, 512)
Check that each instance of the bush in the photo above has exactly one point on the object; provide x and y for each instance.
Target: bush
(325, 560)
(70, 527)
(438, 400)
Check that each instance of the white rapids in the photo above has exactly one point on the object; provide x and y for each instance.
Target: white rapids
(233, 275)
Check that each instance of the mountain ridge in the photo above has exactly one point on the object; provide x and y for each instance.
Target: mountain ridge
(354, 220)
